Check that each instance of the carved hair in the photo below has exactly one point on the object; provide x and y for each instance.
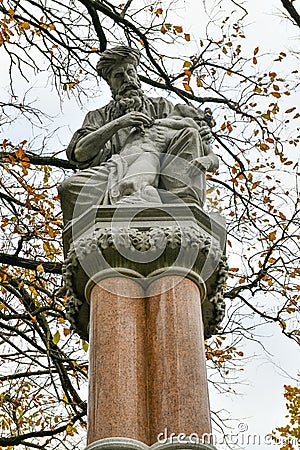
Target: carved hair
(115, 56)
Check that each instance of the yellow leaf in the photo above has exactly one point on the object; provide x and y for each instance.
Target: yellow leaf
(272, 236)
(25, 25)
(56, 338)
(187, 64)
(85, 345)
(282, 324)
(52, 26)
(40, 268)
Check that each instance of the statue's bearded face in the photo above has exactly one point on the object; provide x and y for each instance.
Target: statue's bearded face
(126, 89)
(123, 80)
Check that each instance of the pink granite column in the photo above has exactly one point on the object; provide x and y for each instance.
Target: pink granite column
(117, 405)
(177, 380)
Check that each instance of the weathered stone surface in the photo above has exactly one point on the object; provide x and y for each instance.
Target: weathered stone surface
(144, 243)
(136, 147)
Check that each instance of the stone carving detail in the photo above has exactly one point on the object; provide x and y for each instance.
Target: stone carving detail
(153, 239)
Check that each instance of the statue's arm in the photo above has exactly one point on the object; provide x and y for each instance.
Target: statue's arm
(88, 146)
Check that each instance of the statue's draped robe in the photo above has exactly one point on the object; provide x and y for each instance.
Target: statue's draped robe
(92, 185)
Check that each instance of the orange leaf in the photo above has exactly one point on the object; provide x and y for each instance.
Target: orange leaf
(282, 216)
(264, 147)
(272, 236)
(20, 153)
(187, 87)
(158, 11)
(276, 94)
(290, 110)
(187, 37)
(178, 28)
(256, 50)
(200, 84)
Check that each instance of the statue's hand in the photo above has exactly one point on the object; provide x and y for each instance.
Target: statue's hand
(205, 133)
(134, 119)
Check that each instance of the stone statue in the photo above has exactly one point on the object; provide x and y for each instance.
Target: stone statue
(137, 148)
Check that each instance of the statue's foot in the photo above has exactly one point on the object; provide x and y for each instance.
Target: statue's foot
(148, 194)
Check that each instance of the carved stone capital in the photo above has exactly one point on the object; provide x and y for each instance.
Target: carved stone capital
(172, 244)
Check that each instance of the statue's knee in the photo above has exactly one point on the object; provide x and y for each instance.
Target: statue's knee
(64, 187)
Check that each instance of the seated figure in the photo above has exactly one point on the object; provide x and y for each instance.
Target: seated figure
(140, 160)
(136, 148)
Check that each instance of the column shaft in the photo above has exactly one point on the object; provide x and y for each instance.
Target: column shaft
(117, 403)
(177, 380)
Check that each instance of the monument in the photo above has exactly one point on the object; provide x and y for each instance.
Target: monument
(144, 263)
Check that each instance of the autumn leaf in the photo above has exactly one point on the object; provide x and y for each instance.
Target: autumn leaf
(199, 82)
(85, 345)
(178, 28)
(158, 12)
(263, 146)
(276, 94)
(187, 87)
(56, 338)
(282, 216)
(272, 236)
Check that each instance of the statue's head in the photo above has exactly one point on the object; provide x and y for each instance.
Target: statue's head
(117, 66)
